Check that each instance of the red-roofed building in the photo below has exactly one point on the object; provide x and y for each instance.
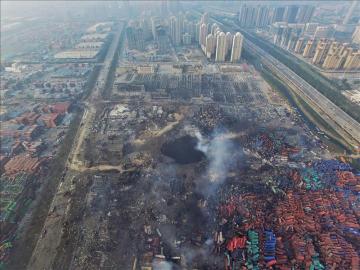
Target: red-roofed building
(28, 118)
(22, 163)
(61, 107)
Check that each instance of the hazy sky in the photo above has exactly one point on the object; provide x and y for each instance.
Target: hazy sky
(51, 8)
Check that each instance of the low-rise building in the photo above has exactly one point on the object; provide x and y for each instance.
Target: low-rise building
(22, 163)
(89, 45)
(50, 120)
(77, 54)
(60, 107)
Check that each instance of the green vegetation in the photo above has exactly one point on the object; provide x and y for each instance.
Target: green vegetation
(309, 74)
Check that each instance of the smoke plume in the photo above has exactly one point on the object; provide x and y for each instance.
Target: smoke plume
(220, 151)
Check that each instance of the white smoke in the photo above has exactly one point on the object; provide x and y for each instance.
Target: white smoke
(202, 144)
(219, 154)
(219, 150)
(162, 265)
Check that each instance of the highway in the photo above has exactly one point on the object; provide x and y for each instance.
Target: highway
(347, 127)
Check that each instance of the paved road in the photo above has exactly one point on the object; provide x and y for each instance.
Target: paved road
(47, 247)
(94, 98)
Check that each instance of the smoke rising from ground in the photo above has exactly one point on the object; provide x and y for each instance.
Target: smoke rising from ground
(221, 153)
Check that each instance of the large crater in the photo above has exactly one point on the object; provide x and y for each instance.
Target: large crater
(183, 150)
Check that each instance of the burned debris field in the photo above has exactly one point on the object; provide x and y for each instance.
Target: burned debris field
(179, 183)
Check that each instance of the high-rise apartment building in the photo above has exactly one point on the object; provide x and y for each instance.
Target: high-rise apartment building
(202, 36)
(278, 14)
(285, 37)
(262, 16)
(299, 45)
(135, 36)
(161, 40)
(278, 31)
(186, 39)
(305, 13)
(320, 52)
(197, 32)
(205, 18)
(220, 47)
(144, 24)
(210, 45)
(356, 35)
(336, 56)
(309, 48)
(228, 44)
(352, 61)
(192, 31)
(236, 48)
(155, 23)
(291, 13)
(292, 42)
(247, 16)
(214, 27)
(174, 28)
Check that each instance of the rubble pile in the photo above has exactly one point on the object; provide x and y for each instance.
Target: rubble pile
(210, 117)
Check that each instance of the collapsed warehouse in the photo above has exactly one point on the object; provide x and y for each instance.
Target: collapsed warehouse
(222, 175)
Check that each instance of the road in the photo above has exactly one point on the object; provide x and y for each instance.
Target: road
(49, 243)
(345, 125)
(89, 115)
(341, 122)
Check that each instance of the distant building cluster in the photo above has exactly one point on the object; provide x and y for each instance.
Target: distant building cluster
(331, 47)
(182, 30)
(255, 16)
(179, 30)
(147, 29)
(90, 43)
(323, 51)
(135, 36)
(216, 44)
